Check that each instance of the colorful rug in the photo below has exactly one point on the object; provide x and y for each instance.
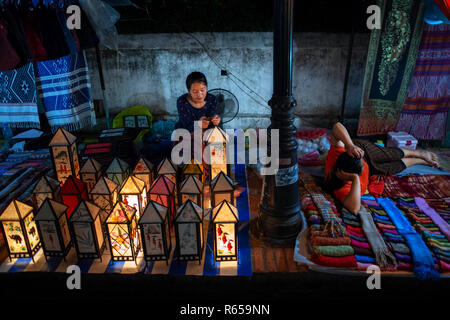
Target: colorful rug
(424, 113)
(390, 62)
(65, 88)
(18, 106)
(424, 186)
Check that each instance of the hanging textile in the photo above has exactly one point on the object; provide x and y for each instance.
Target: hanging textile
(390, 61)
(425, 111)
(32, 35)
(18, 106)
(444, 5)
(9, 59)
(65, 88)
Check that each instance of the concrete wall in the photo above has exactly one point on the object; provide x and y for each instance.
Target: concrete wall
(151, 70)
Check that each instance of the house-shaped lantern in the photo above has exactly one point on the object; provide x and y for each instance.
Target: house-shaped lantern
(63, 149)
(90, 173)
(87, 231)
(193, 169)
(155, 232)
(53, 227)
(45, 188)
(192, 189)
(216, 153)
(72, 193)
(144, 171)
(104, 195)
(117, 171)
(134, 194)
(222, 188)
(189, 231)
(162, 191)
(122, 232)
(225, 218)
(167, 169)
(19, 228)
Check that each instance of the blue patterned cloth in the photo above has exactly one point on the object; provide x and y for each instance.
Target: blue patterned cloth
(65, 88)
(18, 106)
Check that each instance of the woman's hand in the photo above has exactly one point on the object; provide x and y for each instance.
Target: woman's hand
(345, 176)
(205, 122)
(216, 120)
(354, 151)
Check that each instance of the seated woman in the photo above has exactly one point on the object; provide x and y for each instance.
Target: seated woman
(197, 104)
(350, 163)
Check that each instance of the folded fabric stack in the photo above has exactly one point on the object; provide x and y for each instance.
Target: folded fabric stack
(442, 207)
(434, 230)
(428, 186)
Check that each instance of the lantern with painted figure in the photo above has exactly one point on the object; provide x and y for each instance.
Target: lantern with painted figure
(105, 195)
(144, 171)
(133, 193)
(90, 173)
(117, 171)
(225, 218)
(222, 188)
(189, 231)
(45, 188)
(216, 152)
(192, 189)
(63, 149)
(155, 232)
(87, 231)
(123, 233)
(72, 193)
(162, 191)
(53, 227)
(19, 228)
(167, 169)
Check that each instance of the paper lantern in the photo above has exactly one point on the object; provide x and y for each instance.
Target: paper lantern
(144, 171)
(222, 188)
(51, 220)
(189, 231)
(117, 171)
(167, 169)
(63, 149)
(192, 189)
(123, 233)
(104, 195)
(19, 228)
(45, 188)
(72, 193)
(133, 193)
(87, 231)
(155, 232)
(162, 191)
(216, 154)
(90, 173)
(193, 169)
(225, 218)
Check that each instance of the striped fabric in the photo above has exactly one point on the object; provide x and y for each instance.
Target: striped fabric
(424, 113)
(64, 86)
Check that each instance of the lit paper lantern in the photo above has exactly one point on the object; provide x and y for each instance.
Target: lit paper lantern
(122, 232)
(192, 189)
(155, 232)
(90, 173)
(133, 193)
(189, 231)
(162, 191)
(45, 188)
(51, 220)
(167, 169)
(19, 228)
(144, 171)
(222, 188)
(72, 193)
(225, 218)
(216, 152)
(193, 169)
(104, 195)
(63, 149)
(87, 231)
(117, 171)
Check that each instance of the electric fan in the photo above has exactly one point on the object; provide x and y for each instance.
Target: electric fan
(227, 104)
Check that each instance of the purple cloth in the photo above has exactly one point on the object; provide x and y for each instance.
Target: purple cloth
(437, 219)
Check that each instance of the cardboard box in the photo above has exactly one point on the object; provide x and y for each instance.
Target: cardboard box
(401, 140)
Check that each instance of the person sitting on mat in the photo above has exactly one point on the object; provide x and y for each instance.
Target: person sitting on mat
(197, 104)
(349, 164)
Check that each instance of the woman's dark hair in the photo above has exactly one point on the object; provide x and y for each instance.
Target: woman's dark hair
(195, 77)
(346, 163)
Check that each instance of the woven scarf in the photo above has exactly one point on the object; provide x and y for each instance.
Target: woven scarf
(64, 86)
(334, 251)
(333, 227)
(423, 260)
(18, 106)
(430, 212)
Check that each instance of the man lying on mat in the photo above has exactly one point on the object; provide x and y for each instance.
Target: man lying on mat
(349, 164)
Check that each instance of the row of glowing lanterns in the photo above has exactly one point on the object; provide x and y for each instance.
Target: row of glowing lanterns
(135, 212)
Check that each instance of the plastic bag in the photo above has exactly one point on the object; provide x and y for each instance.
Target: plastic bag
(103, 18)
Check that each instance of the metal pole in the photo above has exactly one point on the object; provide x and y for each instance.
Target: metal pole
(279, 221)
(102, 84)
